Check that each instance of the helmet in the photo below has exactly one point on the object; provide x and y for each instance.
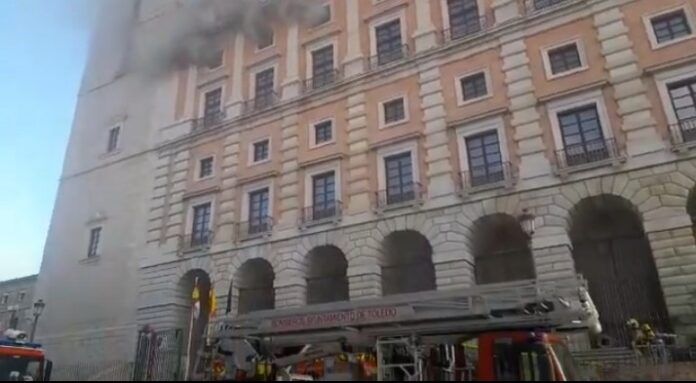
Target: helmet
(633, 324)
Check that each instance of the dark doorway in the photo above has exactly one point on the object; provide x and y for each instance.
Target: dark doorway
(326, 275)
(501, 250)
(255, 280)
(407, 264)
(612, 252)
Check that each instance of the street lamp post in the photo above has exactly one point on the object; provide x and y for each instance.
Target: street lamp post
(526, 220)
(38, 309)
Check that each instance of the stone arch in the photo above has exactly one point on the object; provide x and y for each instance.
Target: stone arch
(406, 265)
(327, 279)
(612, 251)
(501, 250)
(255, 286)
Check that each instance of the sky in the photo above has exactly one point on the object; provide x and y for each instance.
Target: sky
(43, 46)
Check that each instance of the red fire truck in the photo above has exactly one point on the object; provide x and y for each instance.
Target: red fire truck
(510, 331)
(21, 360)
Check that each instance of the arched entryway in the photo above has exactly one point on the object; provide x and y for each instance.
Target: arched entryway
(691, 209)
(501, 250)
(326, 275)
(611, 251)
(197, 323)
(407, 263)
(255, 286)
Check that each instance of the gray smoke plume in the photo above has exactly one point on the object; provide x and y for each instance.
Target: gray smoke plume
(194, 33)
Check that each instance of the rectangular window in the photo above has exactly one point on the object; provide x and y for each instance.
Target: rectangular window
(5, 298)
(323, 196)
(323, 16)
(93, 249)
(323, 67)
(399, 178)
(394, 111)
(683, 97)
(541, 4)
(323, 132)
(265, 40)
(463, 17)
(212, 112)
(389, 44)
(564, 59)
(200, 230)
(113, 139)
(261, 150)
(474, 86)
(670, 26)
(21, 296)
(205, 167)
(264, 95)
(258, 211)
(485, 159)
(582, 135)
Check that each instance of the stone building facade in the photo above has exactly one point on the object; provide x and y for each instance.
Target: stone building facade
(16, 303)
(407, 163)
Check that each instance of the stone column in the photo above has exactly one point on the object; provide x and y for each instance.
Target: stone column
(358, 177)
(291, 84)
(235, 108)
(528, 134)
(674, 248)
(505, 10)
(625, 74)
(437, 154)
(354, 63)
(425, 36)
(227, 202)
(289, 179)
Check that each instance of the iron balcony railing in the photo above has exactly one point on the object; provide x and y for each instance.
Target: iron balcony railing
(328, 212)
(532, 6)
(321, 80)
(467, 28)
(487, 177)
(683, 132)
(255, 228)
(406, 194)
(210, 120)
(261, 101)
(388, 56)
(587, 154)
(196, 240)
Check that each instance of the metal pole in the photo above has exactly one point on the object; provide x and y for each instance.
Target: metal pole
(33, 328)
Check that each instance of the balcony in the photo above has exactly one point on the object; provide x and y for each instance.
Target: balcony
(408, 195)
(209, 121)
(261, 102)
(321, 80)
(256, 228)
(588, 155)
(466, 29)
(388, 56)
(316, 215)
(533, 6)
(683, 134)
(198, 240)
(489, 177)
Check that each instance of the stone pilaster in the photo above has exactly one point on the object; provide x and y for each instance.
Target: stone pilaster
(358, 177)
(425, 36)
(365, 282)
(354, 63)
(289, 180)
(437, 153)
(290, 282)
(236, 100)
(674, 248)
(159, 200)
(528, 134)
(175, 215)
(625, 75)
(227, 203)
(454, 274)
(505, 10)
(291, 84)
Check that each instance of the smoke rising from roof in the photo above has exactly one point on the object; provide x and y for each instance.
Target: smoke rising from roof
(194, 34)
